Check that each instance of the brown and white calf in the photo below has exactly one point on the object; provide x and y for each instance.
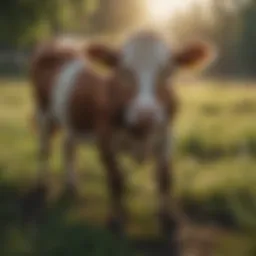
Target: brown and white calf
(130, 109)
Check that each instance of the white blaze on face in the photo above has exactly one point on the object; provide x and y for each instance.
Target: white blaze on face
(145, 56)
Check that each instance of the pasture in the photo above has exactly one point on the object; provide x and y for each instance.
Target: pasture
(215, 176)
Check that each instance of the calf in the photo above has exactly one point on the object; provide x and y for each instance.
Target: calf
(131, 109)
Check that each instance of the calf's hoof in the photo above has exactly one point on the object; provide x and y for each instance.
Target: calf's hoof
(115, 225)
(169, 228)
(33, 204)
(70, 192)
(168, 225)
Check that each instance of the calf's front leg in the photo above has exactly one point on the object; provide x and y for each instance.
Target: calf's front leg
(168, 218)
(116, 186)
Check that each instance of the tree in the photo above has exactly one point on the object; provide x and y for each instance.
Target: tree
(248, 41)
(25, 21)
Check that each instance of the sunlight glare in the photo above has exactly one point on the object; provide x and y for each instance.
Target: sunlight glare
(161, 11)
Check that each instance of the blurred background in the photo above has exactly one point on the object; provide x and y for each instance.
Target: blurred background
(229, 23)
(215, 146)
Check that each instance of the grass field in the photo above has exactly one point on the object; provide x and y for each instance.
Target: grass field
(215, 174)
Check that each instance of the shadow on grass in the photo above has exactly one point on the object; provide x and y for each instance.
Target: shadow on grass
(31, 225)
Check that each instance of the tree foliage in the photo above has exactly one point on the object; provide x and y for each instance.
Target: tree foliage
(20, 19)
(26, 21)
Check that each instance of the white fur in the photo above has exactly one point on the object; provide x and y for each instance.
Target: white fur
(145, 57)
(62, 90)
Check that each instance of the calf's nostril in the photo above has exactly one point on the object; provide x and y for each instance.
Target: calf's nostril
(146, 117)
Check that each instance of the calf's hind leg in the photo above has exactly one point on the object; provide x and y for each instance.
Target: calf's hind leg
(34, 201)
(69, 160)
(44, 126)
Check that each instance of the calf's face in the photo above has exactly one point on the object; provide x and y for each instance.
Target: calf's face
(142, 68)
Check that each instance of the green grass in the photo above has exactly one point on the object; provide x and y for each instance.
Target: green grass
(214, 159)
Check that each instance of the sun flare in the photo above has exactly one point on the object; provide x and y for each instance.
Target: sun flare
(161, 11)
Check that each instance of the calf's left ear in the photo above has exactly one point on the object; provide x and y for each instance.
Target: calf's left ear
(195, 55)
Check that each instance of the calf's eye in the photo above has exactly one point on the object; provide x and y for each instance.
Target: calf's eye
(167, 71)
(127, 77)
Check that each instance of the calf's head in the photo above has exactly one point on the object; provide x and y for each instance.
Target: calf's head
(142, 68)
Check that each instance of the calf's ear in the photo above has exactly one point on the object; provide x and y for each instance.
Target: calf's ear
(103, 54)
(195, 55)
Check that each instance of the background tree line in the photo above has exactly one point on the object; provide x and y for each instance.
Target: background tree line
(230, 23)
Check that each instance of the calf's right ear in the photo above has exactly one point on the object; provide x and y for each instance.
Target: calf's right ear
(197, 54)
(103, 54)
